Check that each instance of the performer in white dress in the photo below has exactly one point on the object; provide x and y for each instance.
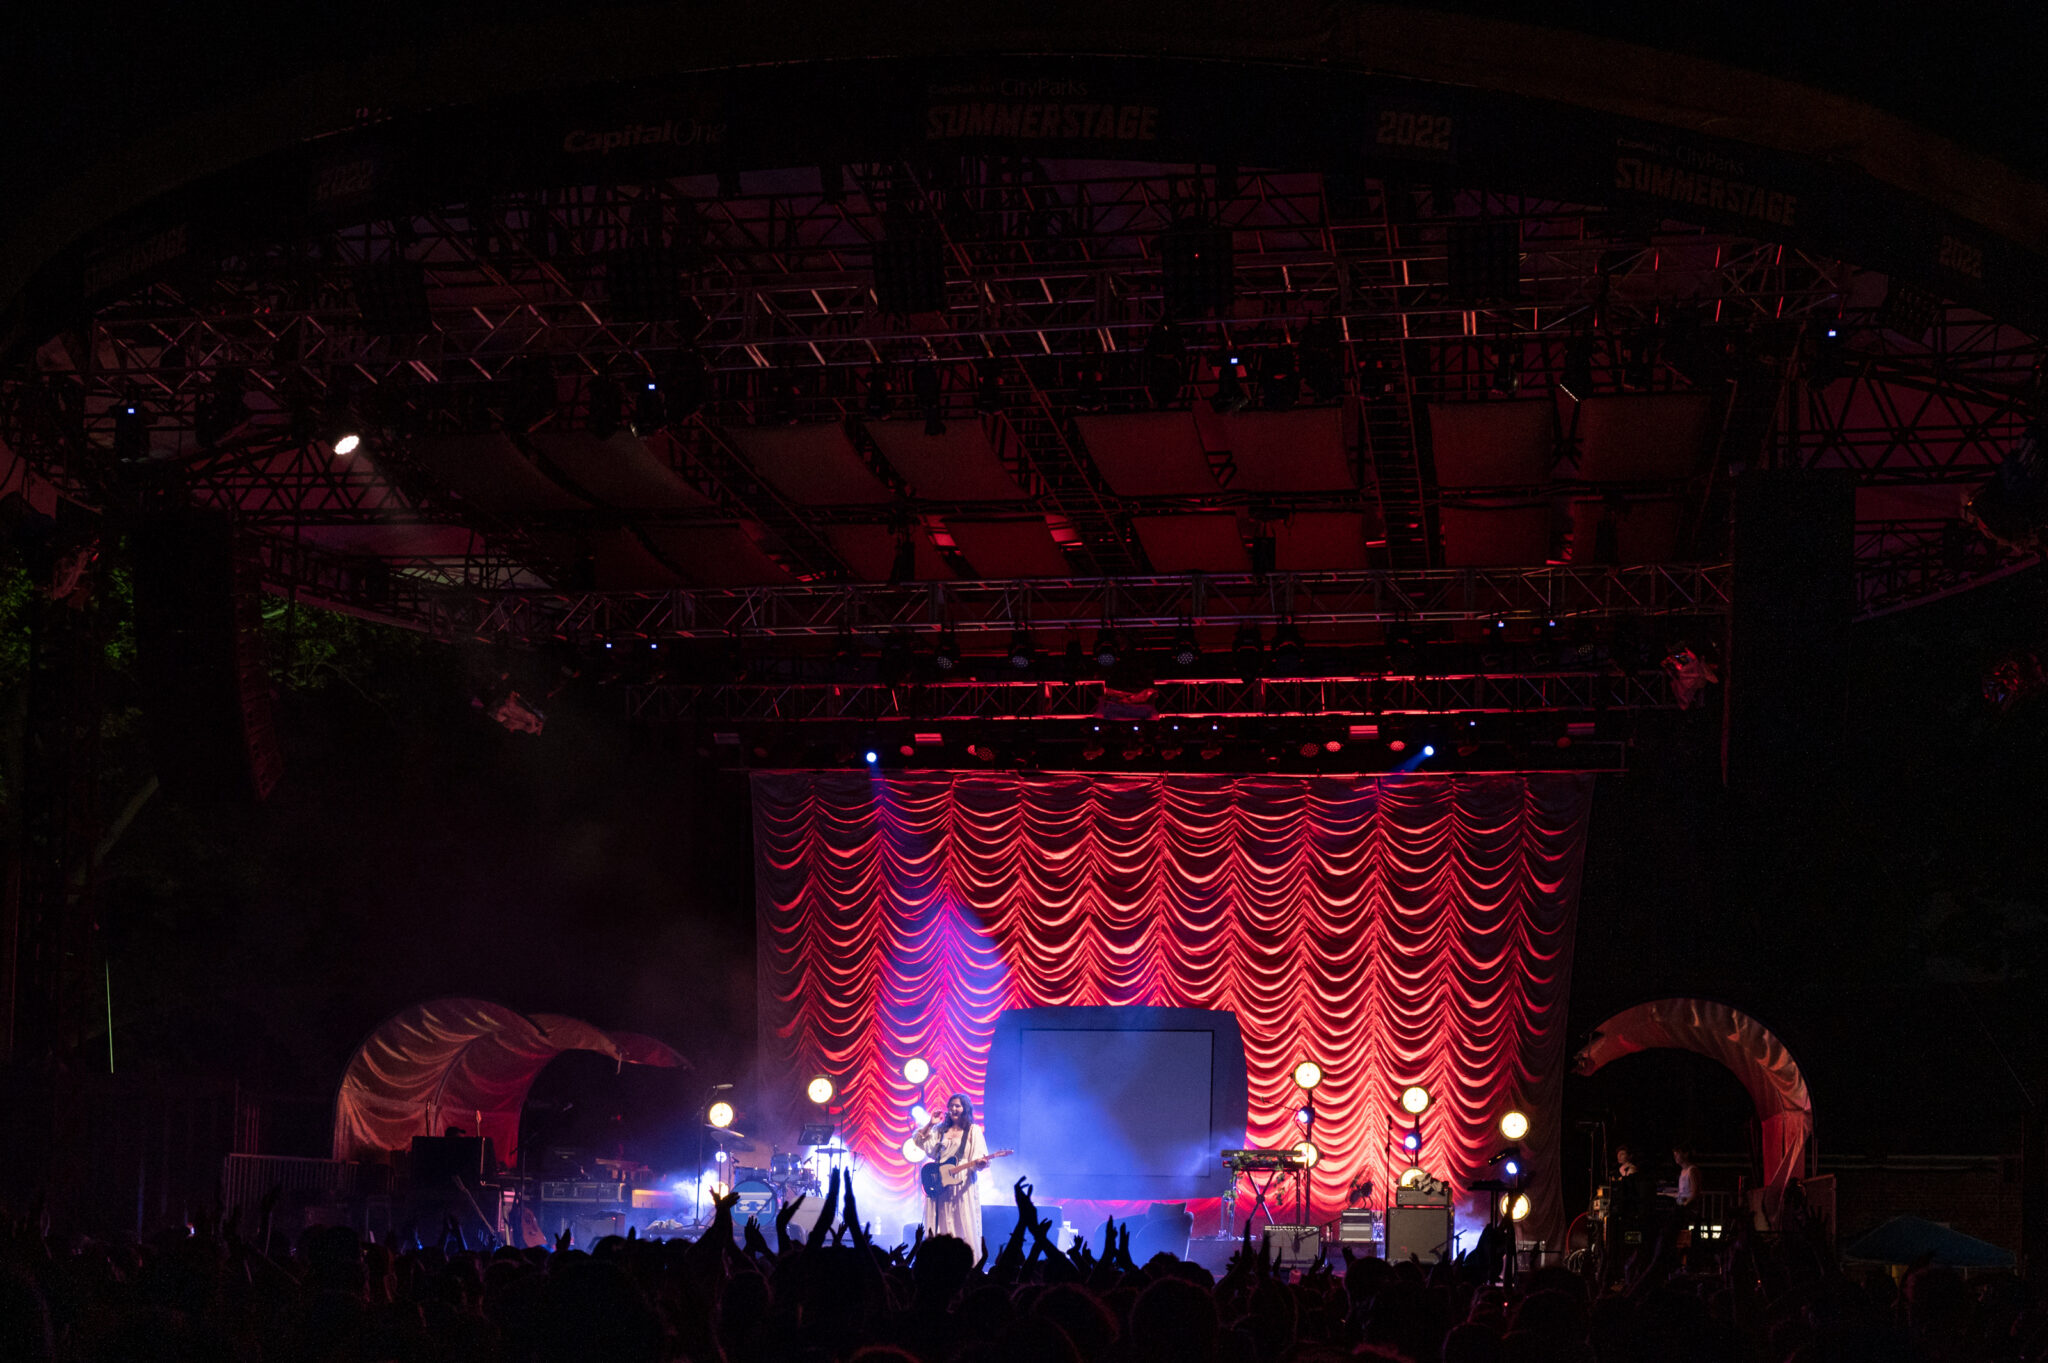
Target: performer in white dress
(958, 1212)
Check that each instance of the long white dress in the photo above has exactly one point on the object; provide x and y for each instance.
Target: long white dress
(959, 1212)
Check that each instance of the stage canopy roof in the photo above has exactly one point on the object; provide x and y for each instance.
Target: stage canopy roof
(464, 1063)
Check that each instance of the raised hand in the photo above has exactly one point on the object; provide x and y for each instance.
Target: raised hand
(852, 1218)
(784, 1241)
(1123, 1245)
(756, 1242)
(564, 1240)
(823, 1226)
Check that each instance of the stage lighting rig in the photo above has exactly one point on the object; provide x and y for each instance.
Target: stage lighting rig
(2012, 509)
(1279, 378)
(1187, 650)
(1230, 395)
(917, 1069)
(988, 386)
(946, 653)
(1166, 363)
(1415, 1100)
(131, 433)
(1023, 652)
(650, 407)
(1514, 1125)
(1307, 1075)
(1287, 647)
(1248, 648)
(1108, 647)
(820, 1090)
(1307, 1153)
(1507, 367)
(720, 1114)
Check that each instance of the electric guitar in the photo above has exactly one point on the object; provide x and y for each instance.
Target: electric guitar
(942, 1178)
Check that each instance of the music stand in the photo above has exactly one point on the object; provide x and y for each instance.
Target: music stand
(816, 1133)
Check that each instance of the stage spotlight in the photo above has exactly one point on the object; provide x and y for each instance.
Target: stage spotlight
(820, 1090)
(1411, 1176)
(1304, 1116)
(1308, 1154)
(1286, 647)
(1415, 1098)
(946, 655)
(988, 386)
(1186, 649)
(920, 1114)
(1250, 649)
(1308, 1074)
(871, 757)
(1514, 1125)
(1108, 648)
(1512, 1167)
(1022, 651)
(347, 443)
(916, 1070)
(1333, 745)
(1429, 750)
(913, 1153)
(1166, 363)
(1519, 1211)
(1507, 375)
(1411, 1139)
(1309, 747)
(721, 1114)
(1230, 395)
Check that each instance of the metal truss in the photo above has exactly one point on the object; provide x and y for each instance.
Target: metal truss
(1080, 604)
(1584, 693)
(1053, 283)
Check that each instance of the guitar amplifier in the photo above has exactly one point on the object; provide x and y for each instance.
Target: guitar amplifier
(1423, 1233)
(1358, 1226)
(1295, 1246)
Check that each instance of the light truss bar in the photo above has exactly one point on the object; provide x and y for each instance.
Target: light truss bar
(1064, 604)
(1569, 692)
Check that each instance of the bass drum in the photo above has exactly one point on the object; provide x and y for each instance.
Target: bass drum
(757, 1198)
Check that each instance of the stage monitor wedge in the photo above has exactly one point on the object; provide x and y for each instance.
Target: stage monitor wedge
(1116, 1103)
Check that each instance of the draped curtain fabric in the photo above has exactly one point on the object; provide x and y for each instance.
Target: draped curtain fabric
(1396, 930)
(466, 1063)
(1751, 1052)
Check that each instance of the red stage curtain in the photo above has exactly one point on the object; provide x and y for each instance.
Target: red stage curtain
(1398, 930)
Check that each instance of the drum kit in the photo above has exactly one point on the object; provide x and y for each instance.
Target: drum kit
(762, 1192)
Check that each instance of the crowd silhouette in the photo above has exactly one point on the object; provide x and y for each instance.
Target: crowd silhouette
(734, 1295)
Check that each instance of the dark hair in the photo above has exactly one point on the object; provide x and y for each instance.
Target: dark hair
(966, 1102)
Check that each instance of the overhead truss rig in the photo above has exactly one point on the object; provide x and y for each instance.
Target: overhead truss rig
(1583, 693)
(1342, 600)
(1053, 292)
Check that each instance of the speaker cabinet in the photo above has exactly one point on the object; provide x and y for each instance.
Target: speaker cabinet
(1424, 1233)
(200, 658)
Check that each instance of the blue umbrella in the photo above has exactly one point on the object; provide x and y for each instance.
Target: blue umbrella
(1905, 1239)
